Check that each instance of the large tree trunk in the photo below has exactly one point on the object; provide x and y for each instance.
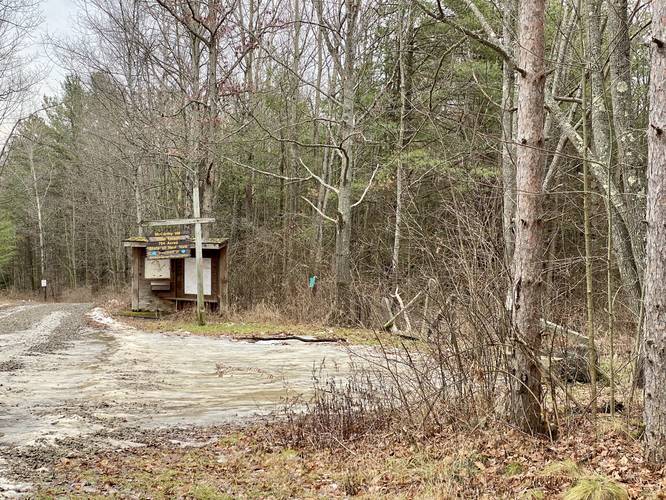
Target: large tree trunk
(655, 287)
(321, 157)
(528, 254)
(346, 69)
(209, 132)
(343, 274)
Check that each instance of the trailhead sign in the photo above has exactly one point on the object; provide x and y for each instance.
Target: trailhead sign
(168, 245)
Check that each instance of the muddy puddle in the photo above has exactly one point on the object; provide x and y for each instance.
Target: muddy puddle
(107, 379)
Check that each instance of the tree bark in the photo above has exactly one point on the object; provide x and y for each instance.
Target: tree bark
(655, 287)
(630, 168)
(405, 69)
(529, 247)
(623, 240)
(210, 125)
(344, 210)
(508, 150)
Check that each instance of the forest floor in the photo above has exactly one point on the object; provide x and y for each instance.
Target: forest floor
(260, 461)
(90, 407)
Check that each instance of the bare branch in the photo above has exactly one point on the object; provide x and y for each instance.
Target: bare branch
(330, 219)
(264, 172)
(318, 179)
(367, 188)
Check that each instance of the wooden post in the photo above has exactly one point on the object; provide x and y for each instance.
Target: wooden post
(198, 250)
(223, 279)
(136, 277)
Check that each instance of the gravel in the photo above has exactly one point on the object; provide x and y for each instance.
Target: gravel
(38, 329)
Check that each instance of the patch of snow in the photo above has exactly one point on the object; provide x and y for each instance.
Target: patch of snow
(102, 318)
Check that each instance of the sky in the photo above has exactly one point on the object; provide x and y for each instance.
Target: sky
(59, 20)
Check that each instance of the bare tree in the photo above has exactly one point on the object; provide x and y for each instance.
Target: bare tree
(18, 20)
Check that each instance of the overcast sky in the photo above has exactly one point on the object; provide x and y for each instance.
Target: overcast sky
(58, 21)
(59, 17)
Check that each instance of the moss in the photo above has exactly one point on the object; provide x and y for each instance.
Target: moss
(513, 469)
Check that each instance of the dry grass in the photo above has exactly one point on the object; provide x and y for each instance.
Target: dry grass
(262, 320)
(596, 488)
(262, 462)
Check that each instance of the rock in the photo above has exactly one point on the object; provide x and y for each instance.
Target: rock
(570, 364)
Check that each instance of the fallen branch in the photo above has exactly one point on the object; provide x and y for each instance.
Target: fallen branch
(555, 328)
(407, 337)
(390, 322)
(255, 338)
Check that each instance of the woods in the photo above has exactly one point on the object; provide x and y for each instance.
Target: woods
(483, 179)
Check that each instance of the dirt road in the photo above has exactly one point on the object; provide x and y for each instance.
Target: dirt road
(73, 381)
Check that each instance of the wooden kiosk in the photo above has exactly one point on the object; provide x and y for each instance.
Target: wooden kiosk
(169, 284)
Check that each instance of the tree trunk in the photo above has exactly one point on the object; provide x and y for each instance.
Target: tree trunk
(405, 69)
(320, 157)
(622, 225)
(630, 168)
(346, 68)
(209, 127)
(38, 213)
(529, 247)
(655, 288)
(344, 212)
(508, 150)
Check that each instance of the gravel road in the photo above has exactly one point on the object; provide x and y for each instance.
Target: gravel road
(26, 330)
(73, 382)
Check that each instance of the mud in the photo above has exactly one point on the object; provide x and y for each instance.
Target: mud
(73, 382)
